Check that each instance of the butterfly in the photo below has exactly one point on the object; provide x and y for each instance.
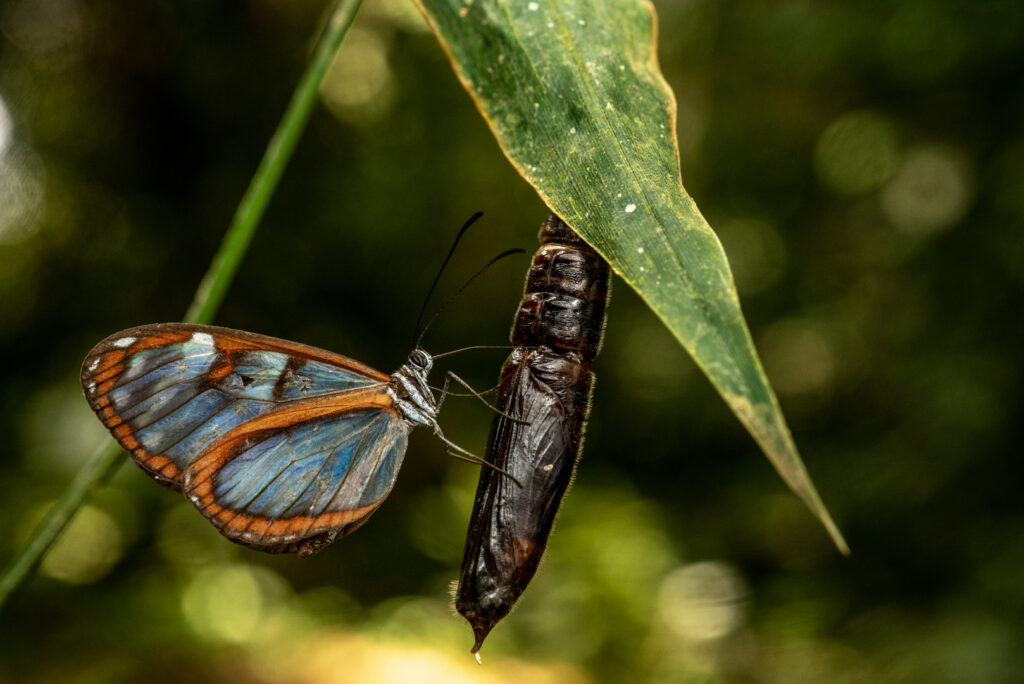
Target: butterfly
(282, 446)
(543, 401)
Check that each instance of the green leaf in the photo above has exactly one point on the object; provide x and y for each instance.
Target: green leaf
(574, 96)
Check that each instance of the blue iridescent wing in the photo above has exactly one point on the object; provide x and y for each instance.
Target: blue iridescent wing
(308, 474)
(283, 446)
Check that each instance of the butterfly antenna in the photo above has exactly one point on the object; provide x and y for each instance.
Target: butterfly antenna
(473, 348)
(472, 219)
(507, 252)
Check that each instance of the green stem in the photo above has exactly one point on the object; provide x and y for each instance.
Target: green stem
(213, 286)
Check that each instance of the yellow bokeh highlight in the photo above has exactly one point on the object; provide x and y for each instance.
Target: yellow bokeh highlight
(702, 601)
(358, 86)
(337, 658)
(231, 603)
(88, 549)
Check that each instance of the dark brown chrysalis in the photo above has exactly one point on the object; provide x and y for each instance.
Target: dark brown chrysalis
(545, 383)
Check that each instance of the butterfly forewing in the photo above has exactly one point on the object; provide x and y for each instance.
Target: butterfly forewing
(283, 446)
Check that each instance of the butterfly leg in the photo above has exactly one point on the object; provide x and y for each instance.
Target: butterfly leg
(444, 390)
(452, 376)
(472, 458)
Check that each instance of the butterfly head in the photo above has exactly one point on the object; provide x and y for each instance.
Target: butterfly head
(421, 360)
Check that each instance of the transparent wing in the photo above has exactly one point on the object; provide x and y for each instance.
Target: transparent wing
(168, 391)
(284, 485)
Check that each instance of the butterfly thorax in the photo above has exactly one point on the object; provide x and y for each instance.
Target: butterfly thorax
(411, 393)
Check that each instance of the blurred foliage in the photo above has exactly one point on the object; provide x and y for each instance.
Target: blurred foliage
(864, 165)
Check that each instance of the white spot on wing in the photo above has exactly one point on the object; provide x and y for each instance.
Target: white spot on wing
(92, 366)
(203, 338)
(92, 388)
(125, 342)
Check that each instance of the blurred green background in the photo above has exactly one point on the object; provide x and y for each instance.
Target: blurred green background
(863, 164)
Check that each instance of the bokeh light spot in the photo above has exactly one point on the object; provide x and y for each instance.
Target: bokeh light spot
(23, 197)
(56, 427)
(53, 31)
(797, 357)
(856, 153)
(931, 191)
(229, 602)
(702, 601)
(922, 40)
(358, 86)
(87, 550)
(188, 541)
(348, 659)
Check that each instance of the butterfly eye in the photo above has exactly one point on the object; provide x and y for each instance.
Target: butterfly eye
(420, 359)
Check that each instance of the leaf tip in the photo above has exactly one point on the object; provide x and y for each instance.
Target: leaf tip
(835, 533)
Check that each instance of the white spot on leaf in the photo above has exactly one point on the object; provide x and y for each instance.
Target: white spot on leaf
(630, 208)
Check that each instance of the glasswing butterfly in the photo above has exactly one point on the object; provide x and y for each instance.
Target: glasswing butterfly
(282, 446)
(543, 399)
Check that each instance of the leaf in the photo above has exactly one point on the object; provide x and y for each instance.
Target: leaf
(574, 96)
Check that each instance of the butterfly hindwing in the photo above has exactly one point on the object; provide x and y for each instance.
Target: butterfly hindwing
(198, 406)
(299, 477)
